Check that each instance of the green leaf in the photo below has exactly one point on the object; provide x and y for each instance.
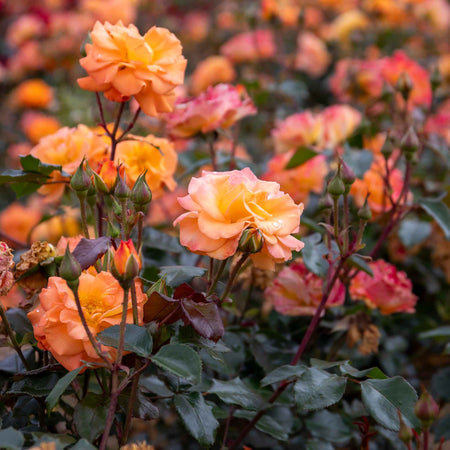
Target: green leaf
(412, 232)
(316, 444)
(235, 392)
(317, 389)
(373, 372)
(60, 387)
(382, 399)
(36, 386)
(312, 225)
(283, 373)
(180, 360)
(436, 332)
(439, 212)
(90, 416)
(440, 384)
(197, 417)
(155, 385)
(313, 252)
(356, 261)
(19, 321)
(330, 427)
(31, 164)
(83, 444)
(144, 408)
(266, 424)
(321, 364)
(302, 155)
(176, 275)
(11, 439)
(137, 339)
(157, 239)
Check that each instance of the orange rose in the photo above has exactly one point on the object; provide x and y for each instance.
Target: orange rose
(152, 154)
(346, 24)
(33, 93)
(287, 11)
(122, 255)
(122, 63)
(36, 125)
(57, 325)
(17, 221)
(212, 70)
(299, 181)
(111, 10)
(221, 205)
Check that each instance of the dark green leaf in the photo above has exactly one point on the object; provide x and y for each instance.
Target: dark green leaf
(313, 253)
(440, 384)
(235, 392)
(205, 318)
(180, 360)
(176, 275)
(316, 444)
(90, 416)
(21, 189)
(61, 440)
(36, 386)
(156, 239)
(382, 399)
(266, 424)
(317, 389)
(60, 387)
(145, 409)
(373, 372)
(89, 250)
(321, 364)
(330, 427)
(312, 225)
(155, 385)
(197, 416)
(356, 261)
(436, 332)
(19, 321)
(13, 365)
(302, 155)
(11, 439)
(137, 339)
(358, 160)
(31, 164)
(282, 373)
(439, 211)
(412, 232)
(442, 428)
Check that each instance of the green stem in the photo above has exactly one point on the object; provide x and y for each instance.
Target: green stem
(233, 274)
(134, 304)
(217, 277)
(346, 222)
(123, 325)
(131, 402)
(140, 229)
(12, 337)
(336, 224)
(84, 224)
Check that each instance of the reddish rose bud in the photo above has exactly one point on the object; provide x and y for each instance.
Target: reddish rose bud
(426, 409)
(126, 262)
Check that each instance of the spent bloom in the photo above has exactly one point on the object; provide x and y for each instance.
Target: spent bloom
(6, 263)
(221, 205)
(389, 290)
(219, 106)
(122, 63)
(57, 325)
(155, 155)
(296, 291)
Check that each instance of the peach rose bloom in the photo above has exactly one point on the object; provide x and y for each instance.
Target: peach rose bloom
(373, 184)
(435, 12)
(287, 11)
(299, 181)
(34, 93)
(312, 55)
(65, 241)
(24, 28)
(357, 80)
(111, 10)
(17, 221)
(221, 205)
(218, 107)
(155, 155)
(250, 46)
(57, 325)
(36, 125)
(211, 71)
(122, 63)
(399, 63)
(196, 26)
(389, 289)
(297, 130)
(297, 292)
(67, 148)
(346, 24)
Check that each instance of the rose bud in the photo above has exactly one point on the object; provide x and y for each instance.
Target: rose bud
(126, 262)
(141, 195)
(426, 409)
(251, 241)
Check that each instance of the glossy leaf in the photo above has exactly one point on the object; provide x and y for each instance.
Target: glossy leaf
(439, 211)
(162, 241)
(36, 386)
(176, 275)
(62, 384)
(329, 427)
(235, 392)
(317, 389)
(30, 163)
(180, 360)
(313, 253)
(382, 399)
(90, 416)
(373, 372)
(197, 417)
(137, 339)
(283, 373)
(145, 409)
(160, 306)
(301, 155)
(266, 424)
(205, 318)
(412, 232)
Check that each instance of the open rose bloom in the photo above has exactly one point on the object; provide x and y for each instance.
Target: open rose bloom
(122, 63)
(221, 205)
(389, 289)
(57, 325)
(297, 292)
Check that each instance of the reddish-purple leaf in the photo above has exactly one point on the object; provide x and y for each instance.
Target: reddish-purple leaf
(205, 318)
(89, 250)
(183, 291)
(160, 306)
